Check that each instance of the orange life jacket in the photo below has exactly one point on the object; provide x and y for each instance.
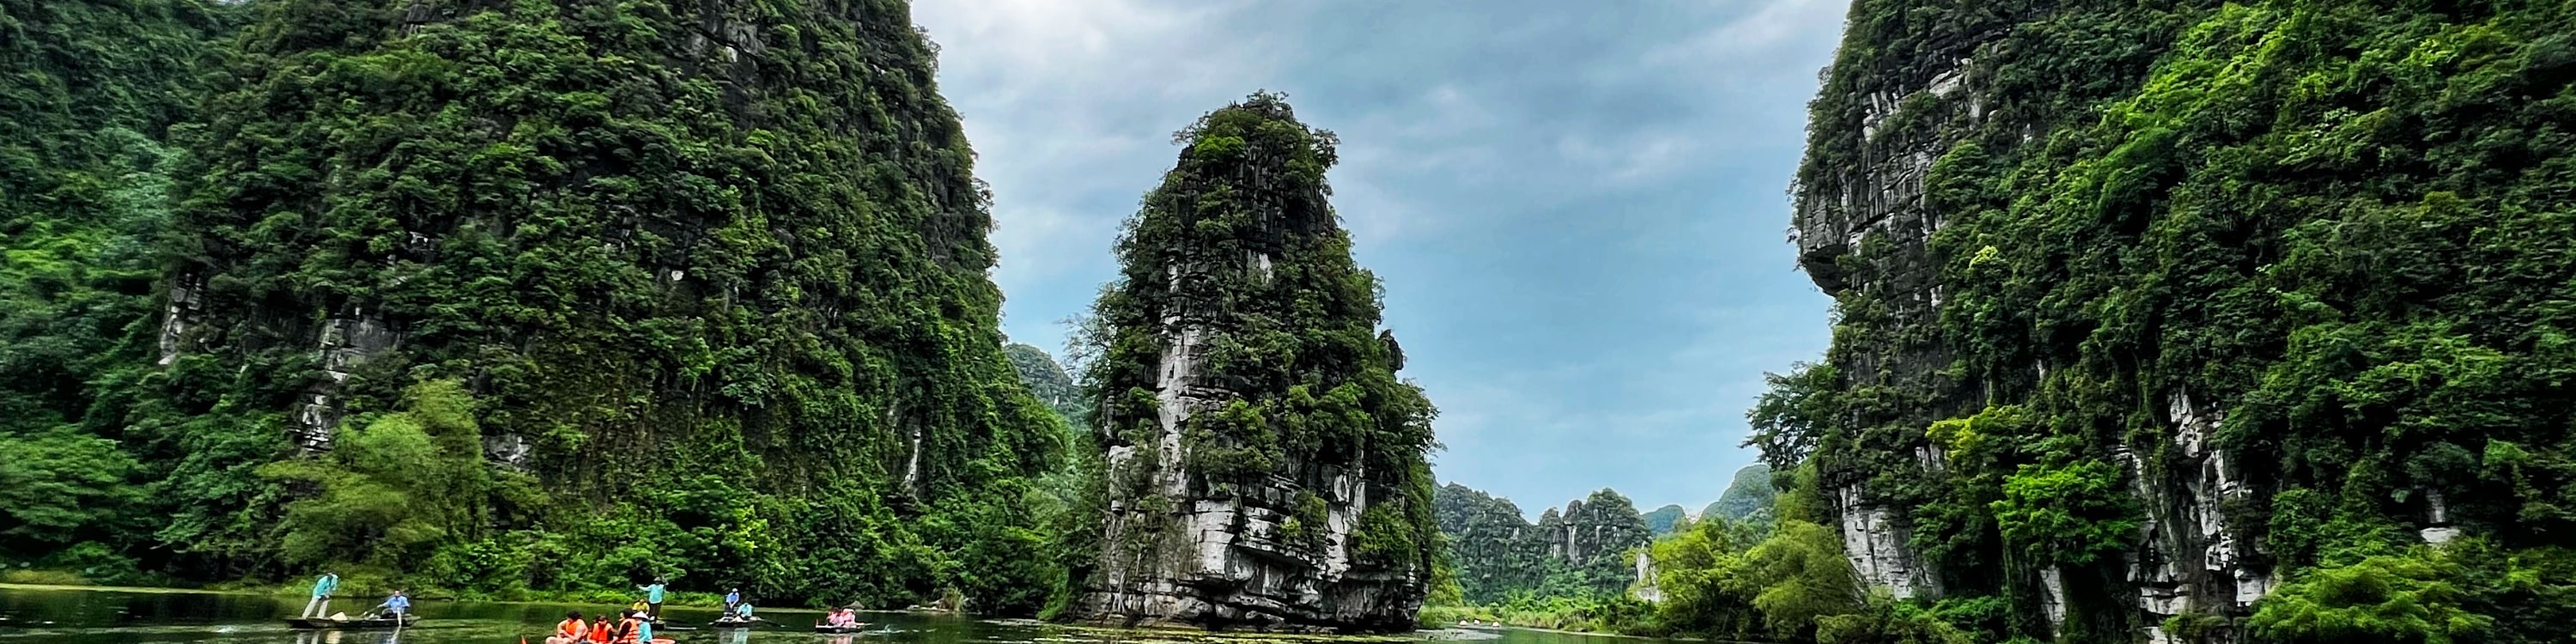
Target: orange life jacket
(571, 628)
(626, 630)
(599, 632)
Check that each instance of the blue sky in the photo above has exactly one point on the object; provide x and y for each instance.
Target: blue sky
(1578, 208)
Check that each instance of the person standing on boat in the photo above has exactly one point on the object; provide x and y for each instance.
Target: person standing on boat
(652, 601)
(732, 598)
(322, 589)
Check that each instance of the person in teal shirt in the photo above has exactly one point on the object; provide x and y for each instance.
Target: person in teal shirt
(644, 631)
(322, 589)
(652, 600)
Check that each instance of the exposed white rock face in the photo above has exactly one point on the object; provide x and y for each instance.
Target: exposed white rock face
(1647, 589)
(344, 343)
(2191, 562)
(1224, 554)
(2052, 598)
(1875, 542)
(180, 316)
(507, 450)
(2438, 513)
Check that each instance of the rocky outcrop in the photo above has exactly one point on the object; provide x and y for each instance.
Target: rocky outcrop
(2189, 559)
(1494, 547)
(1593, 537)
(1875, 542)
(739, 245)
(1592, 540)
(1249, 487)
(1865, 225)
(1647, 589)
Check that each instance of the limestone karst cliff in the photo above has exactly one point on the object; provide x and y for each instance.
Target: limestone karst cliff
(2149, 312)
(1049, 382)
(1265, 468)
(704, 276)
(1584, 548)
(1494, 547)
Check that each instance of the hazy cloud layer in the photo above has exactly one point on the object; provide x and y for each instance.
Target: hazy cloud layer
(1577, 208)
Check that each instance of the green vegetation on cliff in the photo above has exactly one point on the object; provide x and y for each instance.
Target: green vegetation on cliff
(2304, 273)
(93, 93)
(704, 282)
(1574, 565)
(1239, 362)
(1664, 520)
(1747, 498)
(1048, 381)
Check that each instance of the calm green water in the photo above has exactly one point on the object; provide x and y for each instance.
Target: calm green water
(106, 616)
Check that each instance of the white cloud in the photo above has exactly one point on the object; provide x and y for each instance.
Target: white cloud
(1753, 44)
(1070, 107)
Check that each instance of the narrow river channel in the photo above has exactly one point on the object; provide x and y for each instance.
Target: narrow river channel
(46, 615)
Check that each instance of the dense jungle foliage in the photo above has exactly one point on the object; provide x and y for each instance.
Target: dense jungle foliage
(1237, 266)
(90, 102)
(705, 280)
(2304, 271)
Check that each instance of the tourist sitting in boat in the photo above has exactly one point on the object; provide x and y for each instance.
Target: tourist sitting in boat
(394, 606)
(570, 630)
(843, 617)
(599, 627)
(742, 612)
(627, 626)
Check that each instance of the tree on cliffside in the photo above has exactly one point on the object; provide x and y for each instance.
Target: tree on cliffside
(712, 273)
(1248, 396)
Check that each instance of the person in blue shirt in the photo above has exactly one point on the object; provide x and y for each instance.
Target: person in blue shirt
(652, 600)
(644, 631)
(320, 605)
(732, 598)
(396, 605)
(743, 611)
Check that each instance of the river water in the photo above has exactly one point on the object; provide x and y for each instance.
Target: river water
(49, 615)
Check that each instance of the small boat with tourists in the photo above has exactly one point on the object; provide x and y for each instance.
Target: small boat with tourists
(839, 629)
